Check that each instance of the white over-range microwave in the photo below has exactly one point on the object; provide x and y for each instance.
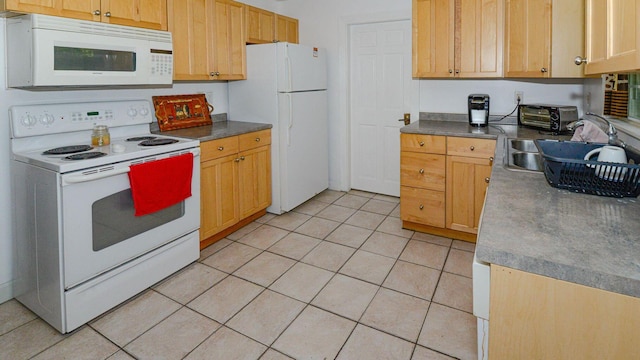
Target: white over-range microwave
(47, 51)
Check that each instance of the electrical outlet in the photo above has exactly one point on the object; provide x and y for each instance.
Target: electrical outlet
(518, 97)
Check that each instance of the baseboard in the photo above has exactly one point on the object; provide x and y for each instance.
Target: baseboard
(6, 291)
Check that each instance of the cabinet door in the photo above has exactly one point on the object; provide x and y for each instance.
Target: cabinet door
(76, 9)
(150, 14)
(286, 29)
(425, 171)
(479, 28)
(538, 317)
(219, 195)
(191, 25)
(528, 38)
(260, 25)
(229, 45)
(254, 174)
(467, 181)
(422, 206)
(567, 38)
(432, 144)
(612, 36)
(433, 38)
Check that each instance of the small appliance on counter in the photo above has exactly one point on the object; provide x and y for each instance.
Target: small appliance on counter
(552, 118)
(478, 109)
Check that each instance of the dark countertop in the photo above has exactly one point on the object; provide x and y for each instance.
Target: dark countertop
(530, 226)
(218, 130)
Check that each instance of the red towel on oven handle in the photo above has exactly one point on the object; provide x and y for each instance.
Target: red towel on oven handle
(159, 184)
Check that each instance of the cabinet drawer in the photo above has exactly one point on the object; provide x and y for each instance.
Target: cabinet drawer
(471, 147)
(218, 148)
(431, 144)
(254, 139)
(422, 206)
(425, 171)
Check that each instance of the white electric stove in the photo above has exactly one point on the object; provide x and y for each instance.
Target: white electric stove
(80, 248)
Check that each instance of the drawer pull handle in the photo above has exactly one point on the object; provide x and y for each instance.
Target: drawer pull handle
(421, 206)
(237, 160)
(472, 148)
(421, 171)
(220, 148)
(242, 158)
(491, 159)
(257, 139)
(487, 180)
(421, 143)
(96, 12)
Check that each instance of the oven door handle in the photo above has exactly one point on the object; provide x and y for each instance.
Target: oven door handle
(98, 176)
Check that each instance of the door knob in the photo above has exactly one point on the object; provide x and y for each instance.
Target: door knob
(96, 12)
(487, 180)
(421, 171)
(579, 60)
(107, 14)
(406, 119)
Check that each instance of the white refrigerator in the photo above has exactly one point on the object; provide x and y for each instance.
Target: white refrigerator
(286, 86)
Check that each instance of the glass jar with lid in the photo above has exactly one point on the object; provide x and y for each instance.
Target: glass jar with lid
(100, 135)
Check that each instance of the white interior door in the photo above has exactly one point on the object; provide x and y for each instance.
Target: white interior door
(380, 93)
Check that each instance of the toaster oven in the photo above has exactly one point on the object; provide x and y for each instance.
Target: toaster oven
(547, 117)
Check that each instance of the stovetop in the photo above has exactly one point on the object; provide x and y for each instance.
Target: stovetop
(117, 151)
(38, 128)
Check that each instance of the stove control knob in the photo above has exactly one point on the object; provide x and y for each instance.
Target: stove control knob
(29, 120)
(118, 148)
(47, 119)
(132, 112)
(144, 111)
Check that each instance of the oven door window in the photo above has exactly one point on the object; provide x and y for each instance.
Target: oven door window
(113, 219)
(85, 59)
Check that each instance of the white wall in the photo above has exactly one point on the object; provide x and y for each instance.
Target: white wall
(450, 96)
(216, 95)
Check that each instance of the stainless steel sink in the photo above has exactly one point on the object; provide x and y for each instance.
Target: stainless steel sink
(527, 160)
(523, 145)
(522, 155)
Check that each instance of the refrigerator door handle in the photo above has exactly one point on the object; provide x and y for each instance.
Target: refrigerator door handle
(288, 59)
(290, 119)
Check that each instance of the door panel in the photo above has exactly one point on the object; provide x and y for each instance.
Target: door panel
(381, 89)
(304, 152)
(301, 68)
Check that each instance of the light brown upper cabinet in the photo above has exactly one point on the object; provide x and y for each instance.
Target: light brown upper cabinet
(612, 36)
(543, 38)
(260, 25)
(150, 14)
(208, 39)
(266, 27)
(230, 49)
(461, 38)
(286, 29)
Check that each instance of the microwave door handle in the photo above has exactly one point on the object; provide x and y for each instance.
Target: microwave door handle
(92, 177)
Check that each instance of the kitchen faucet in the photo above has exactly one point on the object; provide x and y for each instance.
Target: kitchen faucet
(611, 130)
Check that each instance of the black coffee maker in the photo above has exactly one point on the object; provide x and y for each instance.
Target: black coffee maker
(478, 109)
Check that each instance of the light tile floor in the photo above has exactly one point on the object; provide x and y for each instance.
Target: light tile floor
(337, 278)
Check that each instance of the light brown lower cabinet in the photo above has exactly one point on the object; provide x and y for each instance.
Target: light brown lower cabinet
(537, 317)
(235, 182)
(443, 182)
